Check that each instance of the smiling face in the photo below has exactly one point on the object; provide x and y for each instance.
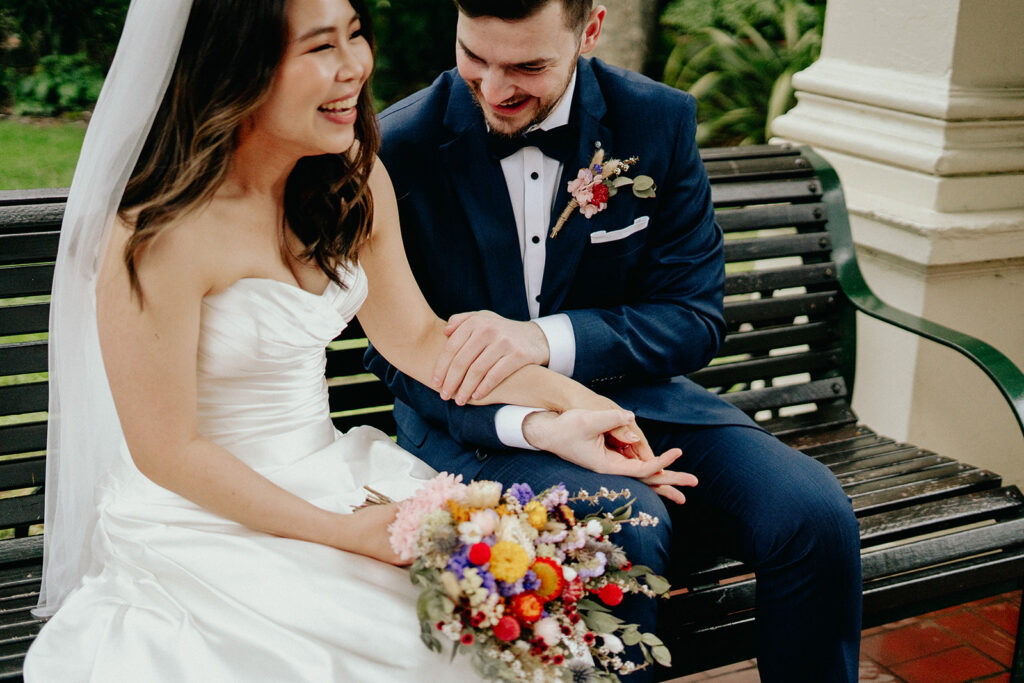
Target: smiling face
(518, 70)
(311, 107)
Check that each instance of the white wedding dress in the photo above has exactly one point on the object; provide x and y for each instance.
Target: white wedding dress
(180, 594)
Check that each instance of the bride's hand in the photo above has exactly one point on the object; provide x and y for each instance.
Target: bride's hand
(369, 533)
(579, 437)
(483, 349)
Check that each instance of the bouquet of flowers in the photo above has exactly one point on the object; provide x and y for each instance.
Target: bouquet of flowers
(516, 579)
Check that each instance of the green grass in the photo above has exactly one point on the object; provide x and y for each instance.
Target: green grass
(38, 154)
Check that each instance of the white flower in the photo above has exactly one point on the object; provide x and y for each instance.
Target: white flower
(568, 573)
(483, 494)
(611, 642)
(470, 533)
(486, 521)
(512, 528)
(549, 630)
(594, 528)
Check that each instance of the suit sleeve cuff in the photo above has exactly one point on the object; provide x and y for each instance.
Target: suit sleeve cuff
(508, 422)
(561, 342)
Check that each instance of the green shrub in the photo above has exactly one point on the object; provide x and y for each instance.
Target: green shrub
(59, 83)
(738, 57)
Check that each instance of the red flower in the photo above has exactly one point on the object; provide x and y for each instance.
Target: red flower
(627, 566)
(467, 639)
(588, 637)
(573, 590)
(557, 660)
(477, 619)
(439, 625)
(480, 553)
(610, 594)
(507, 629)
(600, 194)
(527, 607)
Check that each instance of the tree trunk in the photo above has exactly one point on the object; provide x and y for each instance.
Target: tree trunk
(628, 33)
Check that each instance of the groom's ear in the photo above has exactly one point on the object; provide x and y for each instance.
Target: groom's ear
(592, 31)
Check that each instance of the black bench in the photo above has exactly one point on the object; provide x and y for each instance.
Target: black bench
(935, 532)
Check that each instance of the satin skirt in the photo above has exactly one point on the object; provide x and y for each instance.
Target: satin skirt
(180, 594)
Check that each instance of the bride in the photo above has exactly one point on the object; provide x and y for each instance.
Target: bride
(227, 218)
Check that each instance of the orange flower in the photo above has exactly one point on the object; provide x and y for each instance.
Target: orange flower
(460, 513)
(551, 580)
(527, 607)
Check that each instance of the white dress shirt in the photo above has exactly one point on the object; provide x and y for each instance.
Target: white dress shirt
(532, 180)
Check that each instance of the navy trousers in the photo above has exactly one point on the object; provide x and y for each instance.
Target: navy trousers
(758, 501)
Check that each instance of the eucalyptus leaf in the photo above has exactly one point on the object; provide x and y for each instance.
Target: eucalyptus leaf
(601, 622)
(631, 637)
(662, 655)
(650, 639)
(644, 194)
(619, 181)
(587, 605)
(643, 182)
(658, 584)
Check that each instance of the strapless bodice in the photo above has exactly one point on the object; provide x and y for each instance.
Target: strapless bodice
(261, 363)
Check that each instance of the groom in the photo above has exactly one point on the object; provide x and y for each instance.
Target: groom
(622, 298)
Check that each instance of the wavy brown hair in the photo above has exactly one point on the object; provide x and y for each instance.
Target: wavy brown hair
(229, 55)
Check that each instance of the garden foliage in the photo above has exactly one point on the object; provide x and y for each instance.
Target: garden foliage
(738, 57)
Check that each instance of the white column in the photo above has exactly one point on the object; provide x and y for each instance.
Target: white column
(919, 105)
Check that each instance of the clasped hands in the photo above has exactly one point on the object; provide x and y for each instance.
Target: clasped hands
(484, 348)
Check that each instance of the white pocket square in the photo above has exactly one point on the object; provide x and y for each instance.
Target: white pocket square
(622, 233)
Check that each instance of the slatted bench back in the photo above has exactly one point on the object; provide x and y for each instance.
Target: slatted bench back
(787, 358)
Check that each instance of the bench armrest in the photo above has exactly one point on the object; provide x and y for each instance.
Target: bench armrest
(1007, 377)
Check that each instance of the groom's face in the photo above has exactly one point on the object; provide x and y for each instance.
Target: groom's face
(518, 70)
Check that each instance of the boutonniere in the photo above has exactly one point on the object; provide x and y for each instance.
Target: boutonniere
(599, 181)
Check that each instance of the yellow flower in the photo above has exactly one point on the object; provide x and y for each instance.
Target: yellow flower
(537, 515)
(460, 513)
(509, 561)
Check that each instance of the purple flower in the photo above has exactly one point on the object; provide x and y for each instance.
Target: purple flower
(558, 495)
(529, 582)
(597, 169)
(488, 578)
(522, 493)
(459, 561)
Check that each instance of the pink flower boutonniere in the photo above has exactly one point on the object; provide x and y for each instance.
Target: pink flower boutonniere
(599, 181)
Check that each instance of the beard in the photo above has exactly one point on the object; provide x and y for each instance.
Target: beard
(543, 111)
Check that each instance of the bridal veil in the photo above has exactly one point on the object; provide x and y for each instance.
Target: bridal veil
(84, 434)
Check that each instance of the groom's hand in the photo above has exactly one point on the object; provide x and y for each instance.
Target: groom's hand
(579, 437)
(483, 349)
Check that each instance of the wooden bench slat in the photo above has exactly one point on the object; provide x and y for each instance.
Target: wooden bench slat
(751, 218)
(798, 394)
(25, 281)
(840, 449)
(936, 515)
(344, 362)
(945, 473)
(780, 308)
(745, 371)
(24, 319)
(757, 168)
(747, 152)
(23, 358)
(766, 191)
(825, 417)
(778, 246)
(22, 438)
(811, 275)
(891, 467)
(22, 473)
(763, 341)
(43, 195)
(27, 247)
(361, 395)
(16, 399)
(21, 510)
(868, 457)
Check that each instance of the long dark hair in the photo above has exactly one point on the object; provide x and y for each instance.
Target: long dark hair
(229, 55)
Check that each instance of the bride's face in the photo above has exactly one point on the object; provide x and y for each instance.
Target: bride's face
(311, 107)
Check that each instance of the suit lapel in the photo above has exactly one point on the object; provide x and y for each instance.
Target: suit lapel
(479, 185)
(563, 252)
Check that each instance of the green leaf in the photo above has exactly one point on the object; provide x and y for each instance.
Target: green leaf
(644, 194)
(631, 637)
(586, 604)
(662, 655)
(601, 622)
(658, 584)
(643, 182)
(651, 639)
(620, 181)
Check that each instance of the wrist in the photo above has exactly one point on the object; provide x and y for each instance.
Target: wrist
(536, 428)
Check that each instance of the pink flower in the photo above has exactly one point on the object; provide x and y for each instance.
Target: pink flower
(432, 496)
(581, 189)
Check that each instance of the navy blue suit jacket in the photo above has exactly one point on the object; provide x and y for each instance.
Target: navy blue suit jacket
(645, 309)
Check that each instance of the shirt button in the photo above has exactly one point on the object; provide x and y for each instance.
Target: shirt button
(535, 175)
(535, 239)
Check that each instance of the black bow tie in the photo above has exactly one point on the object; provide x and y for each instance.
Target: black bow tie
(558, 143)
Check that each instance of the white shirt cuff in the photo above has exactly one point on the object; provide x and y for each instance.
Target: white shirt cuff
(508, 422)
(561, 342)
